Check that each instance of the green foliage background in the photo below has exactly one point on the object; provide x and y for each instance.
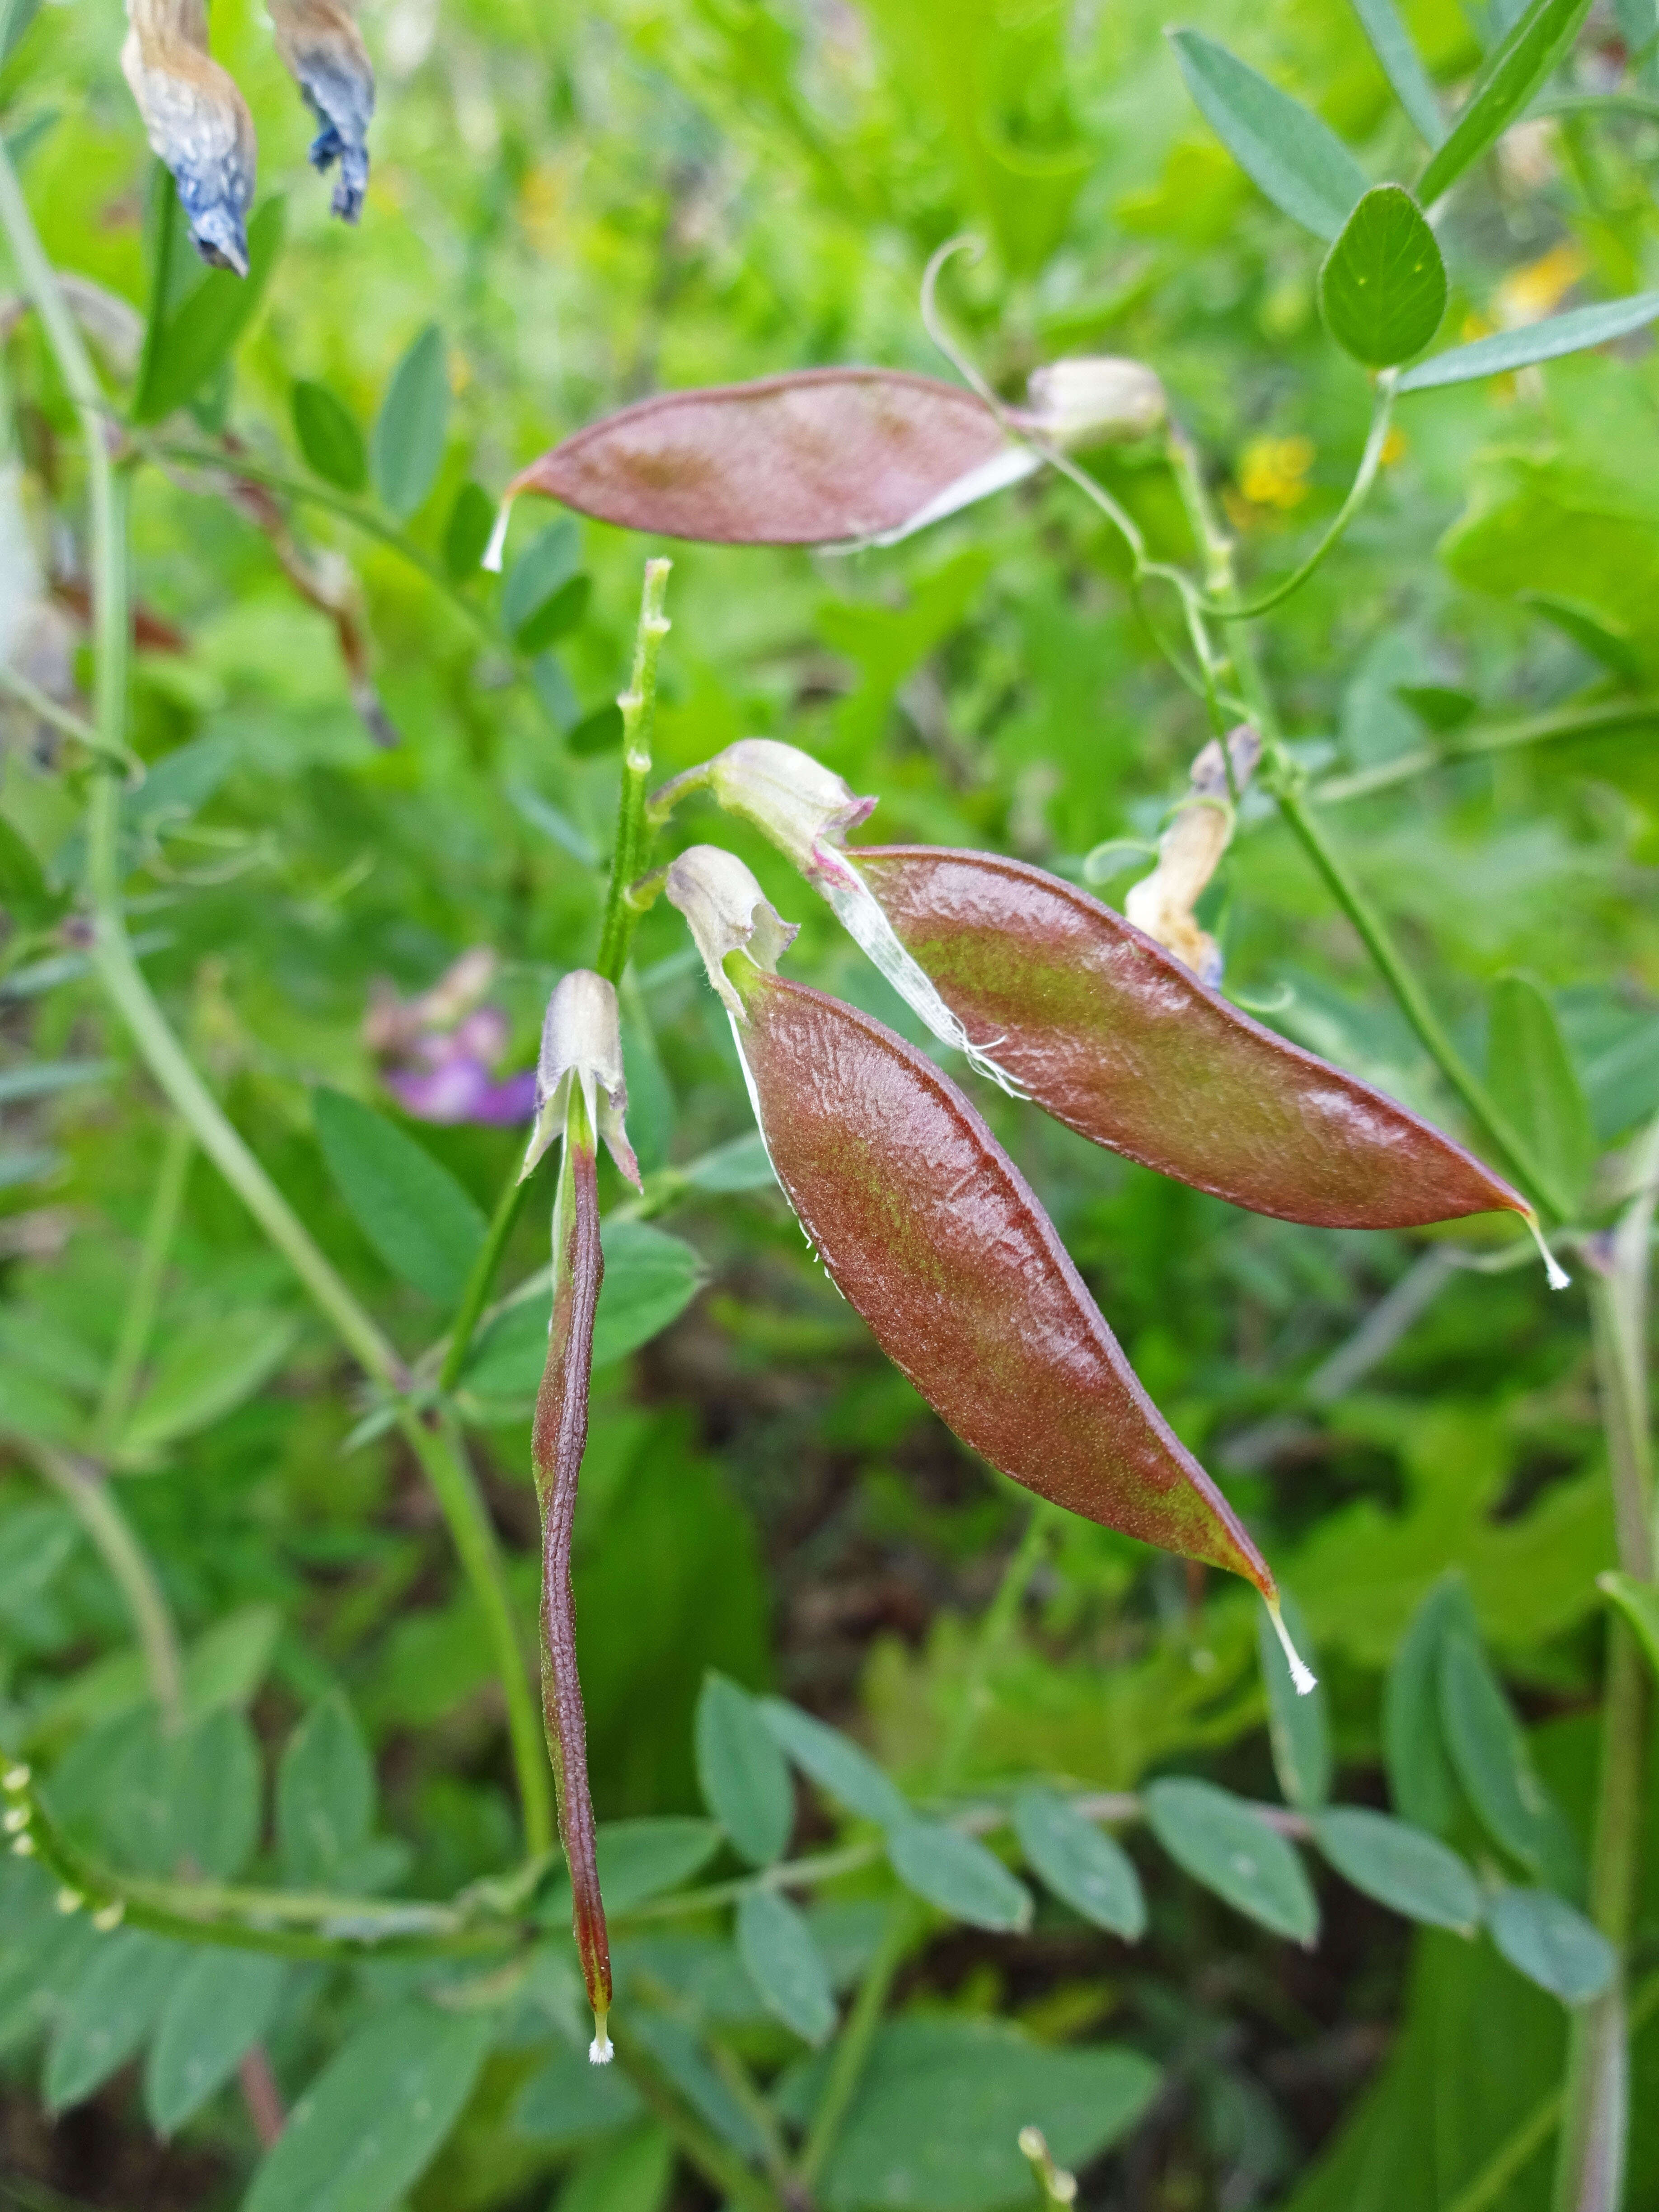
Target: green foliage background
(595, 205)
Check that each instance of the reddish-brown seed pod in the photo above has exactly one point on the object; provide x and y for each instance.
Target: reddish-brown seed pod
(932, 1235)
(803, 459)
(558, 1440)
(1112, 1036)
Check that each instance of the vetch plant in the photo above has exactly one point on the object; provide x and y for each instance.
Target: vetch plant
(732, 1989)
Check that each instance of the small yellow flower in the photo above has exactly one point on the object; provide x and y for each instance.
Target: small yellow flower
(1274, 472)
(1530, 293)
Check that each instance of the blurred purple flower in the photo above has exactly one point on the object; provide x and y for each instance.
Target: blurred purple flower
(438, 1051)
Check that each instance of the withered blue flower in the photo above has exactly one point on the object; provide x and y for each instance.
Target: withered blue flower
(324, 53)
(196, 122)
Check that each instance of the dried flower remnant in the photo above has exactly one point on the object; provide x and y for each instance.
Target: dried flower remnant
(1110, 1034)
(1189, 854)
(1090, 401)
(437, 1051)
(196, 122)
(806, 810)
(580, 1092)
(932, 1236)
(324, 53)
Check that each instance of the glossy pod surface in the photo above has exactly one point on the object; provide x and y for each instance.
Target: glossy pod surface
(1112, 1037)
(932, 1234)
(802, 459)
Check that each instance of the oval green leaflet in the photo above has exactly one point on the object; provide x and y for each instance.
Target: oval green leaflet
(1383, 288)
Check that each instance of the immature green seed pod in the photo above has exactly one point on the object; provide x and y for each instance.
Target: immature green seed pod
(933, 1237)
(580, 1092)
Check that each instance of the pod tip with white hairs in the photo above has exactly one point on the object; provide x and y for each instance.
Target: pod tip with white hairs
(1300, 1674)
(1555, 1273)
(601, 2050)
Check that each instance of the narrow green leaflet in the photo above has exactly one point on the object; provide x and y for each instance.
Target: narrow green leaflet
(958, 1874)
(1552, 1943)
(547, 565)
(216, 1789)
(1411, 1872)
(740, 1165)
(601, 731)
(228, 1661)
(1421, 1778)
(650, 1278)
(1298, 1727)
(785, 1964)
(413, 1212)
(372, 2121)
(1488, 1750)
(1591, 631)
(1383, 288)
(935, 2125)
(1639, 1604)
(324, 1795)
(39, 1078)
(1510, 76)
(191, 1796)
(1402, 65)
(221, 2005)
(34, 1542)
(1530, 1072)
(1080, 1864)
(1547, 341)
(677, 2051)
(24, 892)
(329, 437)
(467, 533)
(632, 2173)
(15, 16)
(195, 343)
(1282, 147)
(640, 1859)
(407, 448)
(1218, 1840)
(110, 2010)
(742, 1773)
(202, 1373)
(571, 2098)
(837, 1764)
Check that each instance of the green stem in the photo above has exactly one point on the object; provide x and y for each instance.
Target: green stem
(144, 1298)
(1595, 2095)
(1584, 721)
(1511, 2158)
(639, 707)
(87, 1492)
(1224, 610)
(475, 1295)
(852, 2051)
(165, 203)
(436, 1442)
(290, 1923)
(994, 1627)
(357, 513)
(1374, 934)
(634, 839)
(718, 2164)
(175, 1072)
(48, 710)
